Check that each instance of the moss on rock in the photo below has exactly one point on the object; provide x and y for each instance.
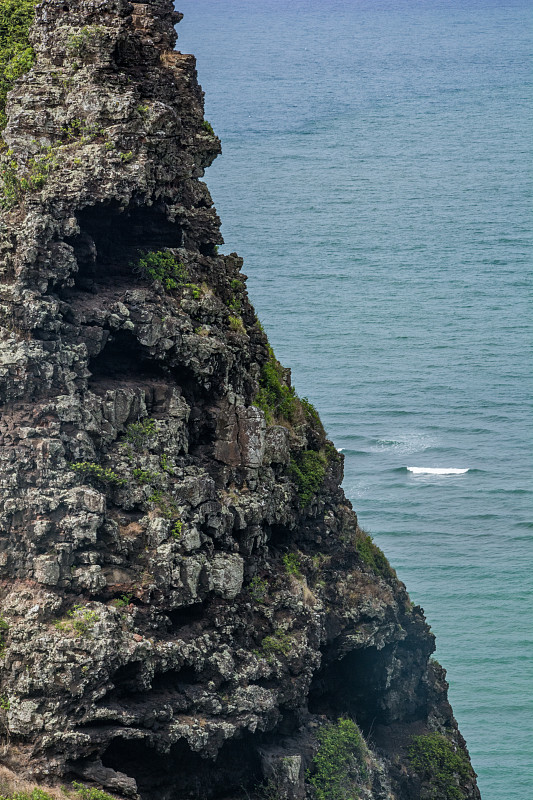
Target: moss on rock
(16, 52)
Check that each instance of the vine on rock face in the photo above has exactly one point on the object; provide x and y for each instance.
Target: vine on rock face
(16, 53)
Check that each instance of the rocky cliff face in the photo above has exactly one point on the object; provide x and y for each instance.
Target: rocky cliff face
(187, 603)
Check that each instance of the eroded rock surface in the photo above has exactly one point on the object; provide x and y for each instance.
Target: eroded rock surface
(186, 598)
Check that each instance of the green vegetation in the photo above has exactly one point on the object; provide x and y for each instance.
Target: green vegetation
(339, 764)
(98, 474)
(236, 324)
(292, 566)
(308, 469)
(5, 705)
(280, 642)
(163, 267)
(90, 793)
(196, 290)
(78, 129)
(164, 503)
(79, 620)
(139, 434)
(17, 181)
(234, 304)
(258, 589)
(80, 43)
(145, 476)
(312, 414)
(277, 400)
(208, 127)
(436, 761)
(35, 794)
(177, 529)
(80, 792)
(123, 601)
(372, 556)
(16, 52)
(4, 628)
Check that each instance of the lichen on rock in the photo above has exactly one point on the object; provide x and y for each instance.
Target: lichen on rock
(187, 601)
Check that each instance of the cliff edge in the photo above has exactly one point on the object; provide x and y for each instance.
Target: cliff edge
(188, 606)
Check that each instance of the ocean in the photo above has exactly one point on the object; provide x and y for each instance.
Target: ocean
(376, 177)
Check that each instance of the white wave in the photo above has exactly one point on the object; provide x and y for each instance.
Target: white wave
(436, 470)
(340, 449)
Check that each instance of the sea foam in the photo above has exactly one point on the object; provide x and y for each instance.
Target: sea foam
(436, 470)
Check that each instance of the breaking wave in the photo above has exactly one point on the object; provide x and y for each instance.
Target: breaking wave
(437, 470)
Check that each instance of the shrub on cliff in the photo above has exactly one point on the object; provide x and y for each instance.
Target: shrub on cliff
(339, 764)
(308, 470)
(164, 268)
(436, 761)
(277, 400)
(16, 52)
(372, 556)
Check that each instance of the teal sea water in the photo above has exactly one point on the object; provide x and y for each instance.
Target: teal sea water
(375, 177)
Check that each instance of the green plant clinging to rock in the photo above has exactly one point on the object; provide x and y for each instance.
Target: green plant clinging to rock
(258, 589)
(308, 470)
(372, 556)
(86, 39)
(4, 628)
(90, 470)
(280, 642)
(80, 792)
(277, 400)
(17, 180)
(80, 620)
(291, 563)
(435, 759)
(16, 52)
(339, 763)
(236, 324)
(163, 267)
(138, 434)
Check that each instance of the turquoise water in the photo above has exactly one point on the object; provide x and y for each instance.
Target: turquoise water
(375, 177)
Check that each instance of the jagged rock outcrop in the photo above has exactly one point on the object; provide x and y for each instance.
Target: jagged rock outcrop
(186, 598)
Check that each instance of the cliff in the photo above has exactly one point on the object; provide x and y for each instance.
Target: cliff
(188, 606)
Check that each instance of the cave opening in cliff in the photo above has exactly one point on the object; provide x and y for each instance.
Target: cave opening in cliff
(111, 238)
(123, 358)
(173, 681)
(184, 773)
(356, 685)
(184, 616)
